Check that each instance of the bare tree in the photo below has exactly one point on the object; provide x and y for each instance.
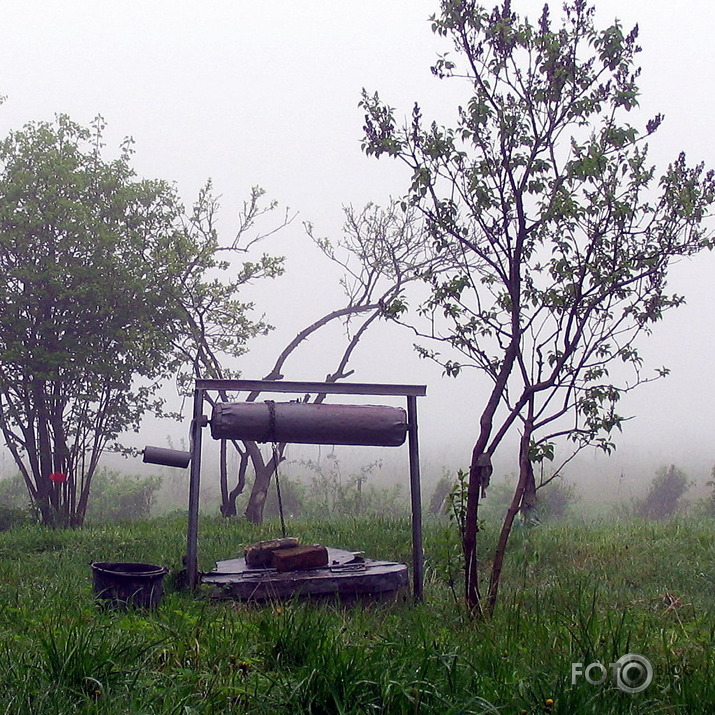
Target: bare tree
(219, 325)
(380, 253)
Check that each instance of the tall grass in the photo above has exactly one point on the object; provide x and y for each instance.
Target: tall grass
(572, 593)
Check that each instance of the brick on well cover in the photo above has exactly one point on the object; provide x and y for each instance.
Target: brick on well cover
(260, 554)
(300, 557)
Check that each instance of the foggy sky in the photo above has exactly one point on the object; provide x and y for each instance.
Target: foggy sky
(266, 93)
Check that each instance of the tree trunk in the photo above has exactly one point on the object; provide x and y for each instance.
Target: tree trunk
(480, 468)
(480, 471)
(264, 471)
(526, 475)
(228, 500)
(259, 493)
(47, 495)
(471, 527)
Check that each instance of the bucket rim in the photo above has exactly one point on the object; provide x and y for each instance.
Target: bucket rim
(124, 568)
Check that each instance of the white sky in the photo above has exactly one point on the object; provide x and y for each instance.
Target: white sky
(266, 93)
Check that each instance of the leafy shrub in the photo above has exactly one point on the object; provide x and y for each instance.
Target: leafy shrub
(292, 496)
(710, 501)
(448, 561)
(457, 500)
(439, 501)
(665, 493)
(12, 516)
(13, 492)
(499, 496)
(117, 497)
(331, 492)
(15, 507)
(553, 501)
(113, 497)
(555, 498)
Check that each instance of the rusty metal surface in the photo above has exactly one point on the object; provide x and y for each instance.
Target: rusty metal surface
(308, 423)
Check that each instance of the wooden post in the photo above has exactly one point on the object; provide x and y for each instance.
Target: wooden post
(192, 533)
(416, 495)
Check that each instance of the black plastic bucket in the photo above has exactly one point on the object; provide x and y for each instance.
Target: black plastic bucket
(128, 584)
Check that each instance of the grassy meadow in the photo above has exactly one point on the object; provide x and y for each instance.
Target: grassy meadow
(572, 593)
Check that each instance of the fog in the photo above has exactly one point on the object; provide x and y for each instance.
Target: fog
(266, 93)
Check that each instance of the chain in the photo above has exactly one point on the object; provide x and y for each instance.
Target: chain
(271, 421)
(276, 459)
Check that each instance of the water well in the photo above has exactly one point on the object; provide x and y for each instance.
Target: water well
(340, 573)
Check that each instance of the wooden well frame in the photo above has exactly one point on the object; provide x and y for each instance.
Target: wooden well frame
(199, 421)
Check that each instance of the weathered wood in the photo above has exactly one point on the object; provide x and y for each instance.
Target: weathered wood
(309, 423)
(347, 576)
(300, 557)
(260, 554)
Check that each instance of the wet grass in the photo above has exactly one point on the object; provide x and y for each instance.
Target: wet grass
(572, 593)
